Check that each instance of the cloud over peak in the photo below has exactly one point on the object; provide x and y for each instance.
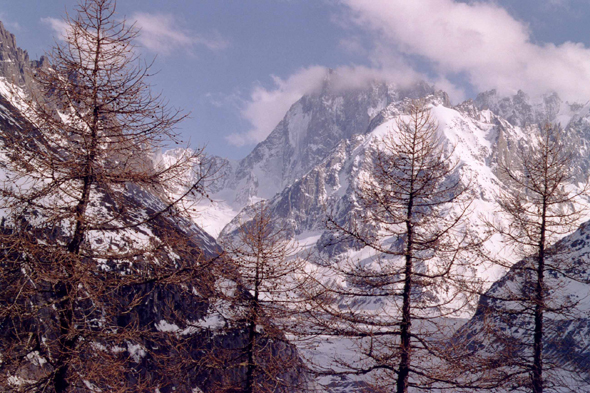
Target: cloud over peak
(480, 40)
(265, 108)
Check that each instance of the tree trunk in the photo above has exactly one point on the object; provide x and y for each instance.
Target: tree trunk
(254, 310)
(67, 342)
(405, 336)
(537, 377)
(250, 351)
(406, 323)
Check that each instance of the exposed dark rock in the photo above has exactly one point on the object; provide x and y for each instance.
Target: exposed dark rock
(15, 65)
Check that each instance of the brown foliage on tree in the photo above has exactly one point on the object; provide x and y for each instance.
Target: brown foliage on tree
(267, 265)
(90, 237)
(541, 207)
(412, 213)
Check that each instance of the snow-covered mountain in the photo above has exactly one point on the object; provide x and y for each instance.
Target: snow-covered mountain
(480, 138)
(315, 177)
(320, 127)
(309, 164)
(502, 330)
(312, 128)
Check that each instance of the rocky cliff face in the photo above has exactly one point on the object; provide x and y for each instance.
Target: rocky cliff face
(520, 109)
(14, 62)
(311, 129)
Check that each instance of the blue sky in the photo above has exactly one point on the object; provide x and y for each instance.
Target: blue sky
(237, 65)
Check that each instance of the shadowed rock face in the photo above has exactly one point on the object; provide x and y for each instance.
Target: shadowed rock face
(310, 130)
(14, 62)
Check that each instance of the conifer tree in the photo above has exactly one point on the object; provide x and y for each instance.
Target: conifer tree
(90, 232)
(267, 264)
(519, 319)
(411, 211)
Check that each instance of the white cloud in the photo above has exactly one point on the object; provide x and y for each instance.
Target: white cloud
(161, 33)
(559, 3)
(267, 107)
(355, 77)
(456, 93)
(480, 40)
(59, 26)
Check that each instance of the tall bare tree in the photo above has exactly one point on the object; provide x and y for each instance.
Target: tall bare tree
(542, 205)
(89, 231)
(411, 211)
(267, 264)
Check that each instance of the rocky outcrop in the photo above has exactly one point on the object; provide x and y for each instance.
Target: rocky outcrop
(15, 64)
(520, 109)
(311, 129)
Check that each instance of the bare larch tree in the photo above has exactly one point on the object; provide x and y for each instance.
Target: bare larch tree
(89, 226)
(267, 264)
(542, 205)
(411, 211)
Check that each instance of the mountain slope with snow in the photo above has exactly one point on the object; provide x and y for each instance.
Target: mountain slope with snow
(504, 328)
(314, 126)
(481, 133)
(479, 139)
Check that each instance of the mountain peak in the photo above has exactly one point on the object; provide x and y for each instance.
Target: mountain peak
(14, 61)
(521, 109)
(315, 125)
